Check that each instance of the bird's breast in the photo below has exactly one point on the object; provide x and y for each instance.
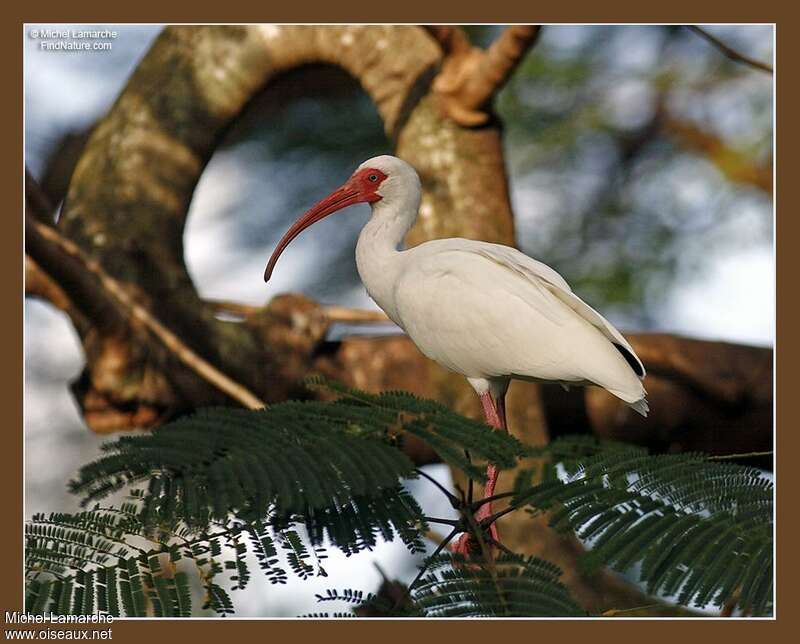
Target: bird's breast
(378, 275)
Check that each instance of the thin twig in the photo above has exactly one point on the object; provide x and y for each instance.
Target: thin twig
(434, 536)
(450, 522)
(341, 314)
(616, 611)
(727, 457)
(36, 196)
(729, 51)
(237, 308)
(496, 543)
(490, 499)
(734, 162)
(494, 517)
(454, 501)
(425, 567)
(40, 284)
(471, 483)
(353, 316)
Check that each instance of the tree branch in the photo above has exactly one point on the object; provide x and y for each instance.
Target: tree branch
(51, 255)
(41, 208)
(735, 164)
(706, 396)
(105, 296)
(504, 54)
(451, 39)
(729, 51)
(39, 284)
(341, 314)
(470, 76)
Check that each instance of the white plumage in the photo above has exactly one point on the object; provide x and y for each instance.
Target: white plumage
(486, 311)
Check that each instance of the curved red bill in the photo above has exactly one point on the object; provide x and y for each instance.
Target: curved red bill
(338, 199)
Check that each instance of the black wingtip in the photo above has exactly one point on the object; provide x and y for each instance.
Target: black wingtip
(631, 359)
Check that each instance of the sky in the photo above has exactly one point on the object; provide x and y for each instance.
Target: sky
(732, 298)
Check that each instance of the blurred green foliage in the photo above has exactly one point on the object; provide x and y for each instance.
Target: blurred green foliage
(607, 194)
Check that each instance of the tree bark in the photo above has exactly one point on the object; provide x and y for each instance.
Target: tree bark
(131, 189)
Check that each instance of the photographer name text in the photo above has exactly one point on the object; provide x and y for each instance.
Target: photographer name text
(74, 39)
(15, 617)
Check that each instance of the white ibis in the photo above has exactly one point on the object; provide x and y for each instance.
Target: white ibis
(486, 311)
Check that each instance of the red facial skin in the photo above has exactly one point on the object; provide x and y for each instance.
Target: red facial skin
(362, 187)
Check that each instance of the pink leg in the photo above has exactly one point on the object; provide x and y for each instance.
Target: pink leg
(491, 412)
(496, 417)
(501, 411)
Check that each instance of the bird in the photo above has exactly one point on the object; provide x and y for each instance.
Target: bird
(486, 311)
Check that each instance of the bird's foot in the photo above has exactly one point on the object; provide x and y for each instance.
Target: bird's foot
(468, 544)
(462, 546)
(468, 547)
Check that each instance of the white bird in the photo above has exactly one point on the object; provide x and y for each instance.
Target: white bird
(486, 311)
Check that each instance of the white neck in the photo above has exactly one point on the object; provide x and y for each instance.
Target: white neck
(378, 259)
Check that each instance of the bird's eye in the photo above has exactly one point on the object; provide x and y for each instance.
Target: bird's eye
(373, 177)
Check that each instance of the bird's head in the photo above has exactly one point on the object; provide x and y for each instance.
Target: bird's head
(383, 178)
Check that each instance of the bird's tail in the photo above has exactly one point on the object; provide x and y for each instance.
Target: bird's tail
(634, 395)
(640, 406)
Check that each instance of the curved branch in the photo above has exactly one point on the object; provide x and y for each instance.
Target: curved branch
(144, 159)
(730, 52)
(131, 190)
(39, 284)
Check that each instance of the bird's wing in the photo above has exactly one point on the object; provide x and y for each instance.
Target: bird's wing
(540, 274)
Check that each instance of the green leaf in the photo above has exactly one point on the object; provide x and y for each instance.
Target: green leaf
(701, 529)
(512, 586)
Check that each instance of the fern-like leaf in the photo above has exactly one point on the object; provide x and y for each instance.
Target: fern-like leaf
(219, 461)
(333, 466)
(512, 586)
(448, 433)
(699, 529)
